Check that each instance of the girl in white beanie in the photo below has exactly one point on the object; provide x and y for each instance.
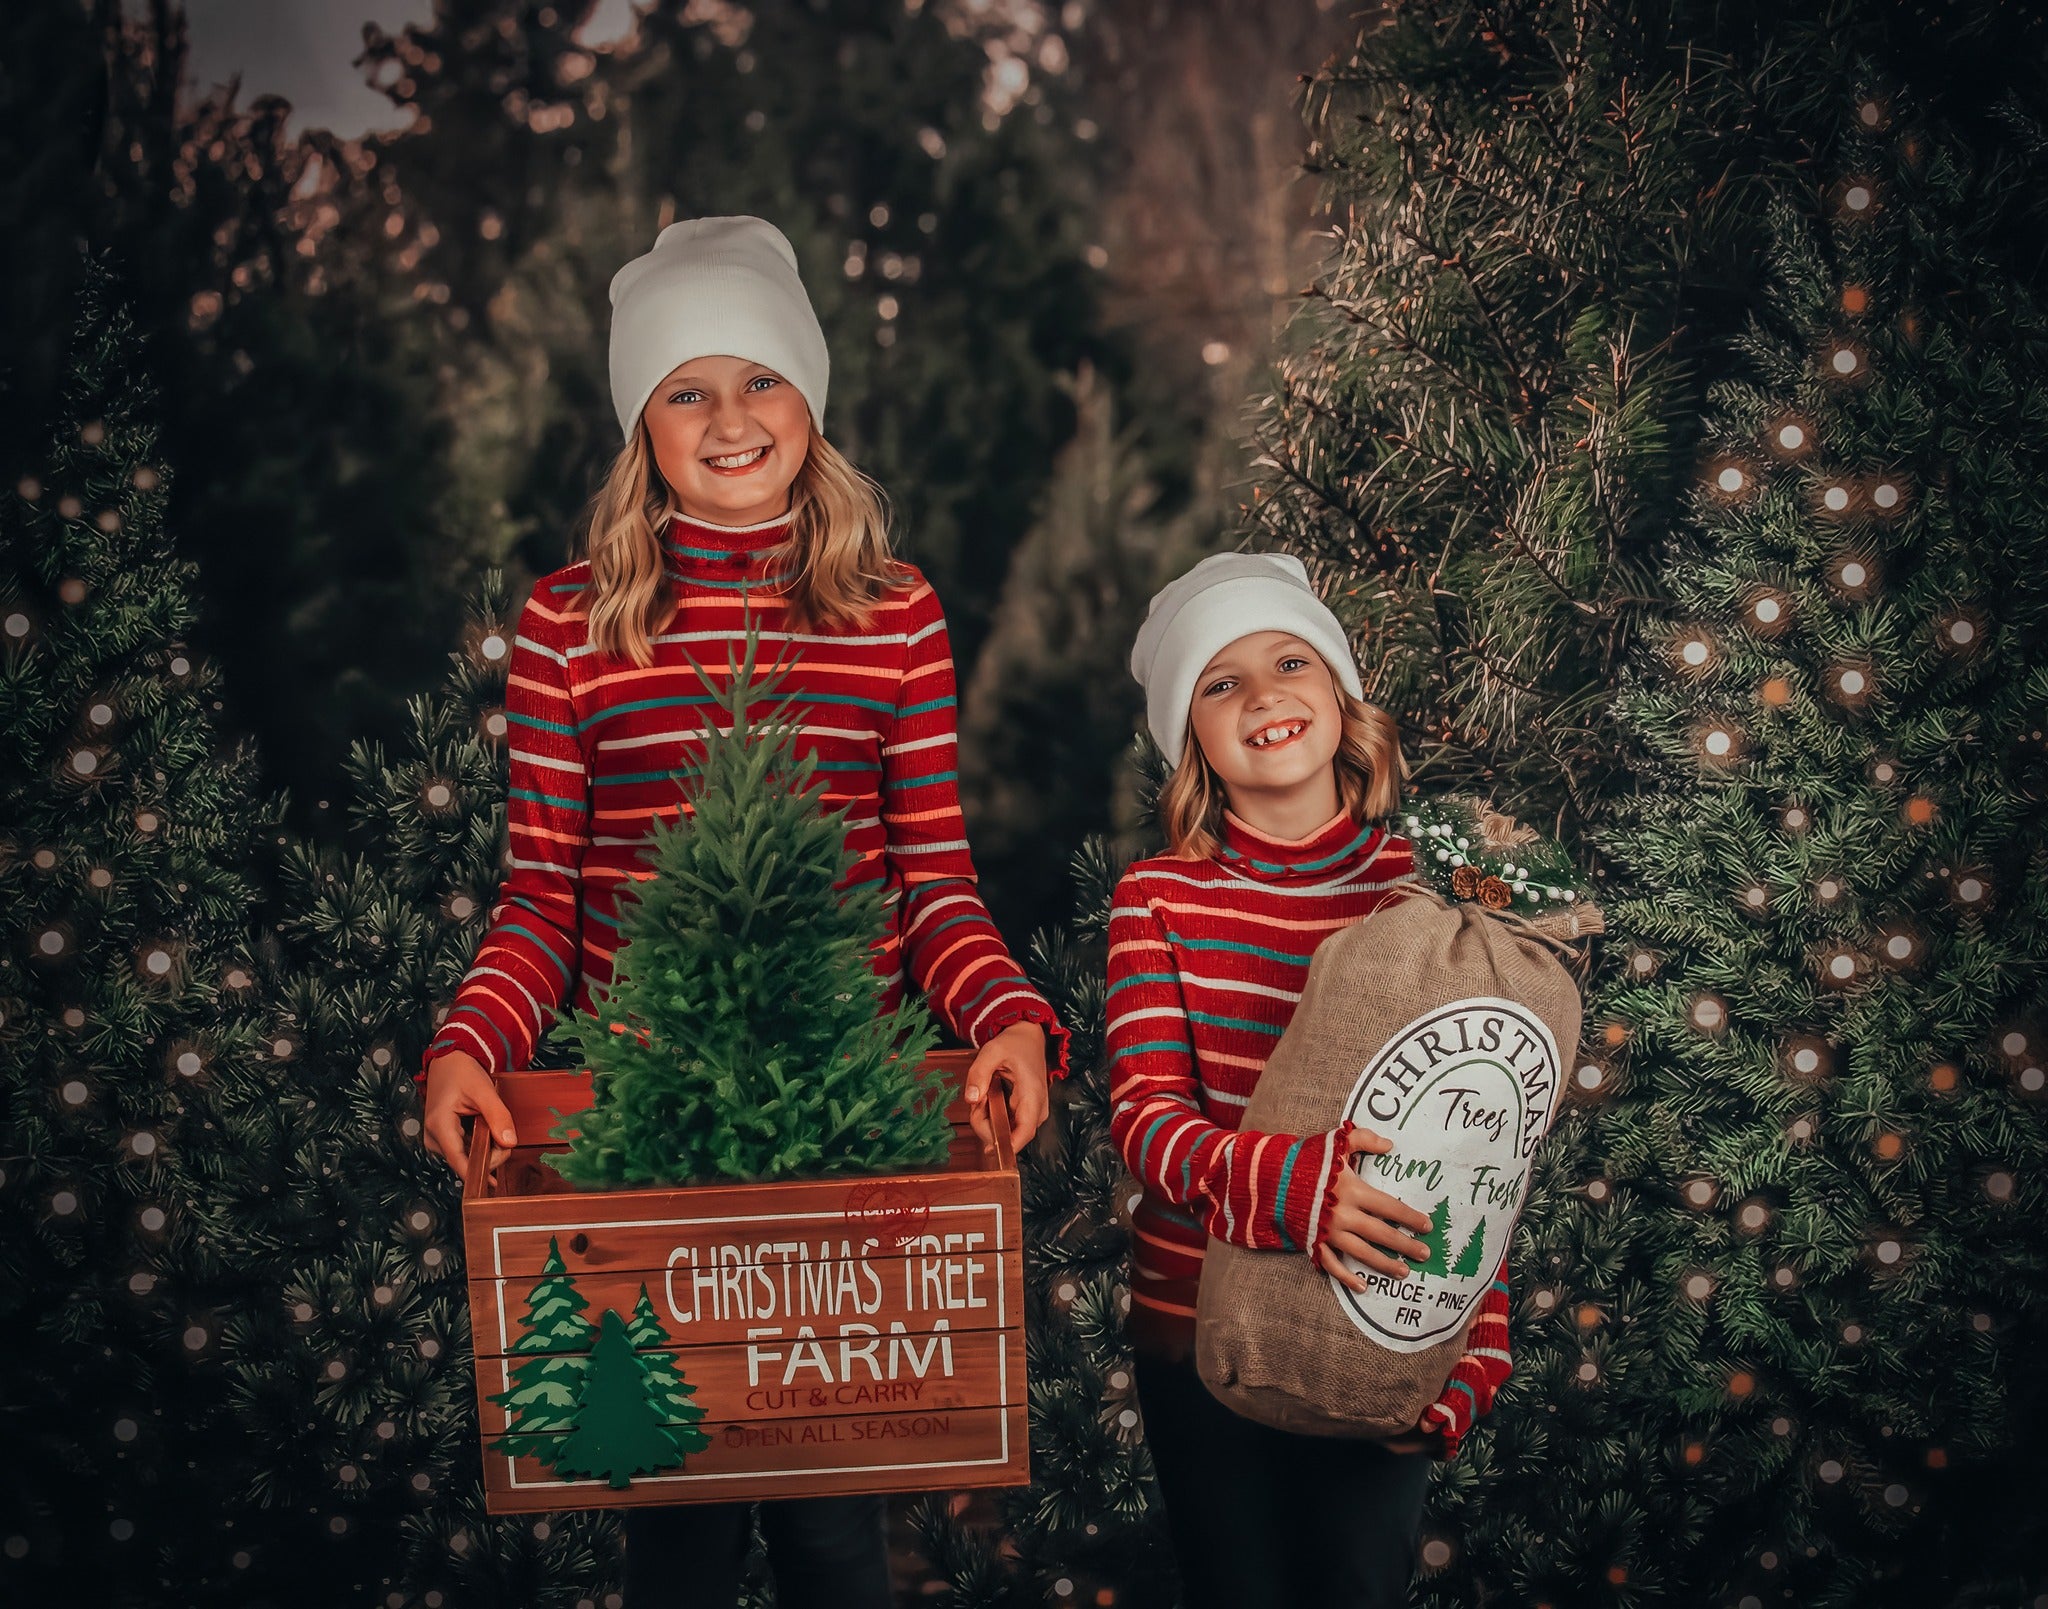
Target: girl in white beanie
(1281, 772)
(726, 504)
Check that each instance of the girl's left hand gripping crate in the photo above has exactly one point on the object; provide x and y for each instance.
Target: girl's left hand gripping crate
(724, 1342)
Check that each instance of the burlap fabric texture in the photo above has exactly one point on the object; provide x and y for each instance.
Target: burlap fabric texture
(1446, 1028)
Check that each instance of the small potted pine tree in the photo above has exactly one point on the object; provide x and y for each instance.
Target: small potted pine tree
(760, 1252)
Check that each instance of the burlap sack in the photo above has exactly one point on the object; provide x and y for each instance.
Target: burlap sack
(1446, 1029)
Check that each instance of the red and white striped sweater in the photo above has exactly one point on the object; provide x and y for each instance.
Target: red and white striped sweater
(1207, 959)
(597, 746)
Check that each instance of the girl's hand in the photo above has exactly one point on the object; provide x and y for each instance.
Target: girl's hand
(1363, 1220)
(1017, 1056)
(460, 1087)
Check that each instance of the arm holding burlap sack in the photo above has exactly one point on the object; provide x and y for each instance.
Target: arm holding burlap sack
(1485, 1364)
(1260, 1190)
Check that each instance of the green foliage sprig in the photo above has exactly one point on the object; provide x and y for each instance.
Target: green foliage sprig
(1469, 851)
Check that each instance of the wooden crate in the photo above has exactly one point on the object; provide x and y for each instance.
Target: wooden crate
(725, 1342)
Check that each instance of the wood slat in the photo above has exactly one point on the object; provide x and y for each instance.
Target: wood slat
(968, 1369)
(955, 1450)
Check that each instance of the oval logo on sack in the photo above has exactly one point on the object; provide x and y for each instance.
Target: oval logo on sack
(1465, 1093)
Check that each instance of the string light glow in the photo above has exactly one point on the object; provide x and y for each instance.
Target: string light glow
(1769, 612)
(1838, 966)
(1790, 436)
(1960, 632)
(1853, 575)
(1850, 684)
(1807, 1057)
(1719, 742)
(1730, 478)
(1708, 1013)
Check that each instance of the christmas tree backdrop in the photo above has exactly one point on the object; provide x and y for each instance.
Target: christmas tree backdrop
(136, 1054)
(1747, 584)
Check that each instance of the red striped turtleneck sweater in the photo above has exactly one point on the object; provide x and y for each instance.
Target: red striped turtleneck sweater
(597, 745)
(1207, 959)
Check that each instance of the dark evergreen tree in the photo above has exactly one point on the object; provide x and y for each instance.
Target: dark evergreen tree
(313, 481)
(1045, 733)
(1782, 1292)
(133, 1049)
(1546, 219)
(354, 1370)
(1536, 209)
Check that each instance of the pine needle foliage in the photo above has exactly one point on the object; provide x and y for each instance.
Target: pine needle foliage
(352, 1369)
(134, 1050)
(1781, 1282)
(742, 1035)
(1537, 212)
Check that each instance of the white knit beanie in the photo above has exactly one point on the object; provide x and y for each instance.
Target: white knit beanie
(714, 287)
(1225, 597)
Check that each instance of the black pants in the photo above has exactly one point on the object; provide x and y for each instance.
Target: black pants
(1261, 1517)
(826, 1552)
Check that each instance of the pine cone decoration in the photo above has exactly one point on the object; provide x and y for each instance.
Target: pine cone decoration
(1495, 895)
(1465, 881)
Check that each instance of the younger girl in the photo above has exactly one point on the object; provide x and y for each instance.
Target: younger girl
(1280, 770)
(727, 503)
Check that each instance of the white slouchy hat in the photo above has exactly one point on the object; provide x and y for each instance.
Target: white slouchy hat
(1225, 597)
(714, 287)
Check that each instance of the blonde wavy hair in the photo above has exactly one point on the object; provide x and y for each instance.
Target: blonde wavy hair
(838, 548)
(1369, 776)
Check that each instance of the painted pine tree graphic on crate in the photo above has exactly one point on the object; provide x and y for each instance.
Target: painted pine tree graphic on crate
(603, 1401)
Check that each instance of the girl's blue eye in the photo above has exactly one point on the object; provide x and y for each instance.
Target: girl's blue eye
(687, 396)
(1216, 686)
(1292, 659)
(761, 379)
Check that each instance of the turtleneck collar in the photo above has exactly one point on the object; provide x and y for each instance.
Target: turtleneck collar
(1337, 849)
(725, 555)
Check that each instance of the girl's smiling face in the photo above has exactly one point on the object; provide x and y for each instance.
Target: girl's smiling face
(1267, 716)
(729, 437)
